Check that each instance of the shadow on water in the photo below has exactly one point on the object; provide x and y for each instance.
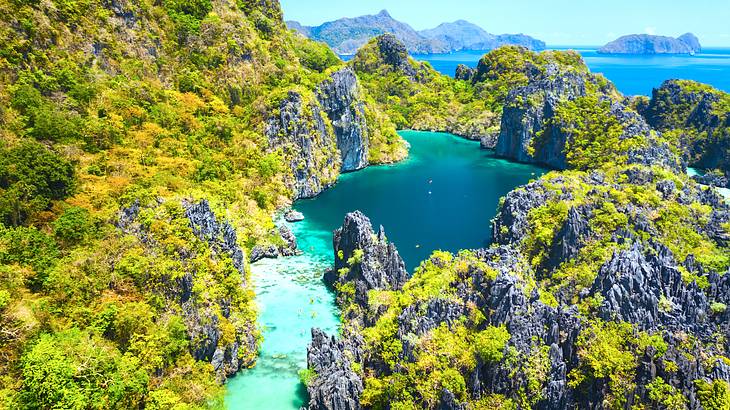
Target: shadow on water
(302, 396)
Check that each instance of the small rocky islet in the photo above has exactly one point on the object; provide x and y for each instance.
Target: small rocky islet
(144, 160)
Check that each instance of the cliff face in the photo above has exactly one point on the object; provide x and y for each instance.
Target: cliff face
(648, 44)
(323, 133)
(308, 141)
(341, 99)
(365, 259)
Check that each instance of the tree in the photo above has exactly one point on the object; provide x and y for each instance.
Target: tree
(31, 176)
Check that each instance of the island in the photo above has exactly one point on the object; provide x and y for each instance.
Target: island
(649, 44)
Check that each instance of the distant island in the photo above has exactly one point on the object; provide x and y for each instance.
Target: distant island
(347, 35)
(648, 44)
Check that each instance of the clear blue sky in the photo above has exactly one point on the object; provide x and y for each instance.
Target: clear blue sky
(558, 22)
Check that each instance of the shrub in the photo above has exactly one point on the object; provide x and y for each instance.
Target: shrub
(714, 395)
(489, 344)
(29, 247)
(73, 369)
(315, 56)
(73, 226)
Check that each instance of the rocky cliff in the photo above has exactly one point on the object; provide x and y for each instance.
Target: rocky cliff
(364, 260)
(206, 317)
(696, 117)
(542, 122)
(340, 97)
(650, 44)
(323, 133)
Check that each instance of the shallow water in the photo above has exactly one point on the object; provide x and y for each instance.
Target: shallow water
(633, 75)
(442, 197)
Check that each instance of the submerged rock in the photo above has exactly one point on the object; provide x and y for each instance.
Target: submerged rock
(293, 216)
(288, 246)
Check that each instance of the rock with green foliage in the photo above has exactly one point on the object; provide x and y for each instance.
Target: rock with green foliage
(602, 289)
(559, 114)
(696, 117)
(416, 96)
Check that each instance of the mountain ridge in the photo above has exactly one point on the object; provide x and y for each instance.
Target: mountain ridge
(347, 35)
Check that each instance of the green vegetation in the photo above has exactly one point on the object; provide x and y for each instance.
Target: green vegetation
(164, 103)
(610, 351)
(713, 395)
(429, 101)
(595, 134)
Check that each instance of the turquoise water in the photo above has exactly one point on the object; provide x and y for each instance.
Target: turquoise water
(633, 75)
(442, 197)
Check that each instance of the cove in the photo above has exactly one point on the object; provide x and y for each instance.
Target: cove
(442, 197)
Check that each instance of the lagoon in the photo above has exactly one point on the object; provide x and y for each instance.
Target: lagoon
(442, 197)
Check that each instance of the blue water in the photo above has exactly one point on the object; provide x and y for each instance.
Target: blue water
(633, 75)
(442, 197)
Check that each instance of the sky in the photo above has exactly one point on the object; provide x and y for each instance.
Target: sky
(557, 22)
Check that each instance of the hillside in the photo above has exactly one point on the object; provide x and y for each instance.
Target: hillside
(649, 44)
(144, 149)
(347, 35)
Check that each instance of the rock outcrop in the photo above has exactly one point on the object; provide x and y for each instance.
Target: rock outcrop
(203, 316)
(293, 216)
(333, 383)
(365, 259)
(650, 44)
(308, 143)
(694, 113)
(464, 73)
(323, 134)
(287, 246)
(221, 236)
(394, 53)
